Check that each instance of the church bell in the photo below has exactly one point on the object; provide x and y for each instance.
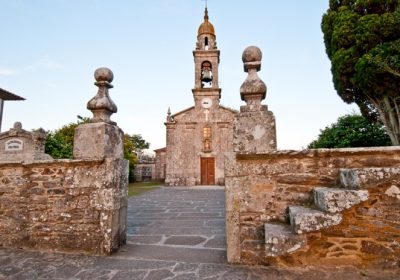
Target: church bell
(206, 76)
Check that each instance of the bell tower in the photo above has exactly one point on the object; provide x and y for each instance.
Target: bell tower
(206, 90)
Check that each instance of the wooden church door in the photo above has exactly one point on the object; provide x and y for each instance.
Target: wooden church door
(208, 171)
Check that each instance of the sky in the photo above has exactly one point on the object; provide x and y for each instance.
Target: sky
(51, 48)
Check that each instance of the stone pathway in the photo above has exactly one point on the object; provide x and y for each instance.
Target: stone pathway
(173, 233)
(178, 224)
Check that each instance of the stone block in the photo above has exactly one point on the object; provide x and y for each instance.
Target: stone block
(349, 178)
(233, 238)
(393, 191)
(98, 140)
(280, 240)
(334, 200)
(305, 219)
(356, 178)
(254, 132)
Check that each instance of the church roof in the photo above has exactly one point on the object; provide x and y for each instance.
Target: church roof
(192, 108)
(183, 111)
(160, 150)
(206, 27)
(229, 109)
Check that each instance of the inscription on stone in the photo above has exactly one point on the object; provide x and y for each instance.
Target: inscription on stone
(14, 145)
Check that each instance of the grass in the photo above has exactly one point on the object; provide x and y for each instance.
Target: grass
(141, 187)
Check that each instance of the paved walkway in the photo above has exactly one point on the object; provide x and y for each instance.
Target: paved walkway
(178, 224)
(173, 233)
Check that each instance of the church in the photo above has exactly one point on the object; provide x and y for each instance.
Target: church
(198, 137)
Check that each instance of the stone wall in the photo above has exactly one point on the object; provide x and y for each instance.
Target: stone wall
(185, 146)
(160, 164)
(75, 205)
(58, 205)
(145, 171)
(260, 188)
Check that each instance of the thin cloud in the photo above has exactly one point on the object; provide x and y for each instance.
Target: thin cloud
(53, 65)
(7, 72)
(46, 63)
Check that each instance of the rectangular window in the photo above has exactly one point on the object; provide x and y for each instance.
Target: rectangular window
(207, 132)
(207, 139)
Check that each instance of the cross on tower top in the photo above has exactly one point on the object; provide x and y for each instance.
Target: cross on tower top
(205, 2)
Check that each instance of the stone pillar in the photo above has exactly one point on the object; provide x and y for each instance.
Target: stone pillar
(254, 126)
(253, 133)
(101, 138)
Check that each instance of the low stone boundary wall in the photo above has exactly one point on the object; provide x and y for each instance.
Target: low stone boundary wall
(77, 205)
(261, 187)
(64, 205)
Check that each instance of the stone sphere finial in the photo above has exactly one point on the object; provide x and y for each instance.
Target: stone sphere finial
(103, 76)
(17, 125)
(253, 89)
(101, 105)
(252, 58)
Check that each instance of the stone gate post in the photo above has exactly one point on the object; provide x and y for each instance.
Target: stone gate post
(103, 139)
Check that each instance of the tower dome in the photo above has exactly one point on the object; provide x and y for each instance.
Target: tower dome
(206, 27)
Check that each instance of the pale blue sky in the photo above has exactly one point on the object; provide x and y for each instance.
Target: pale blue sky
(50, 49)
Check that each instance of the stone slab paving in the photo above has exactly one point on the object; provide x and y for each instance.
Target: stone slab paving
(170, 236)
(184, 218)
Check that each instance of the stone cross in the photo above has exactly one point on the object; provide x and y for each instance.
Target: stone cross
(206, 112)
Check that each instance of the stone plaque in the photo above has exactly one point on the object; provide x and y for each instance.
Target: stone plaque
(14, 145)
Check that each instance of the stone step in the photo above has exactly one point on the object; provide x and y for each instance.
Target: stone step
(305, 219)
(334, 200)
(164, 253)
(355, 178)
(280, 240)
(182, 241)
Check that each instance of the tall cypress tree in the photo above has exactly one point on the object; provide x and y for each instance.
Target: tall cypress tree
(362, 39)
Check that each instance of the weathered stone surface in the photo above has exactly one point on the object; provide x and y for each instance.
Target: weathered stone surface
(75, 205)
(19, 264)
(184, 240)
(254, 131)
(393, 191)
(349, 179)
(356, 178)
(17, 145)
(233, 237)
(64, 205)
(185, 144)
(260, 187)
(254, 127)
(203, 132)
(101, 105)
(305, 220)
(280, 240)
(336, 200)
(160, 164)
(98, 140)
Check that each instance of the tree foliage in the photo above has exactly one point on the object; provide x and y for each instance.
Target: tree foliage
(351, 131)
(60, 143)
(362, 39)
(133, 146)
(139, 144)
